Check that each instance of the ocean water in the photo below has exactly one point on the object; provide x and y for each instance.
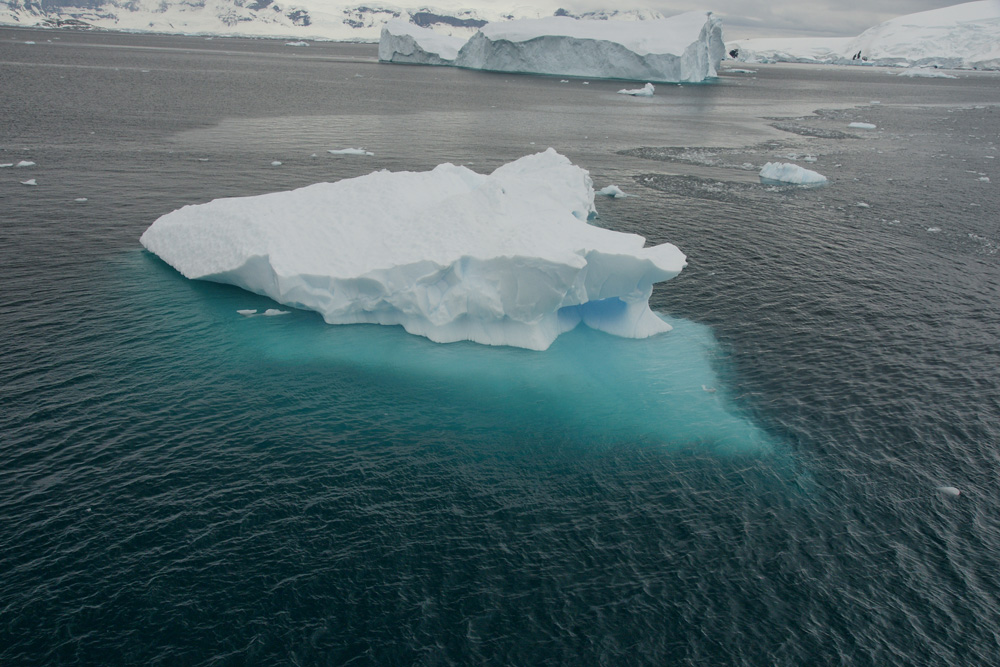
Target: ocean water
(182, 485)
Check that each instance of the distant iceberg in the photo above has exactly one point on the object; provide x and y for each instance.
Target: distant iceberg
(965, 36)
(684, 48)
(687, 47)
(404, 42)
(501, 259)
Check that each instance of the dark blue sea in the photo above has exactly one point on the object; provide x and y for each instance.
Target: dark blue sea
(180, 485)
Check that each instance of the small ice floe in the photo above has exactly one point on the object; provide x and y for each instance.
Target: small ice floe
(925, 73)
(933, 230)
(275, 164)
(6, 164)
(247, 312)
(30, 181)
(564, 81)
(785, 172)
(984, 179)
(861, 126)
(949, 491)
(741, 71)
(273, 312)
(202, 159)
(809, 158)
(350, 151)
(29, 42)
(861, 204)
(80, 199)
(586, 83)
(611, 191)
(875, 102)
(24, 163)
(710, 390)
(645, 91)
(299, 43)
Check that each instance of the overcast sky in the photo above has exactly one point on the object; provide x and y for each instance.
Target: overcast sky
(761, 18)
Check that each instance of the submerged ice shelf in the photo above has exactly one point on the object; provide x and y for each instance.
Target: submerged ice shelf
(502, 259)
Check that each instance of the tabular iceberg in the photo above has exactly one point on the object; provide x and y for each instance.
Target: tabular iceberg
(404, 42)
(501, 259)
(687, 47)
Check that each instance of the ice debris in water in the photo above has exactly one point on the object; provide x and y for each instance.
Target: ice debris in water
(862, 204)
(502, 259)
(272, 312)
(861, 126)
(984, 179)
(612, 191)
(925, 73)
(350, 151)
(645, 91)
(276, 164)
(299, 43)
(786, 172)
(24, 163)
(30, 181)
(247, 312)
(6, 164)
(949, 491)
(80, 199)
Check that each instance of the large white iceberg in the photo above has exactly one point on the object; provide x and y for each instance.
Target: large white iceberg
(404, 42)
(960, 36)
(503, 259)
(687, 47)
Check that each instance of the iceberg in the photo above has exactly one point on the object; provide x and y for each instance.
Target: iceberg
(507, 258)
(687, 48)
(404, 42)
(964, 36)
(786, 172)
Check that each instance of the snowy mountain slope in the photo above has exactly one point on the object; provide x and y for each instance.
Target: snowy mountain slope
(296, 19)
(960, 36)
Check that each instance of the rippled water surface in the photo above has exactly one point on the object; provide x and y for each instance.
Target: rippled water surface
(181, 485)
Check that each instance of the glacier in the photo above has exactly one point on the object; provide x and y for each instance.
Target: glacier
(963, 36)
(683, 48)
(507, 258)
(406, 43)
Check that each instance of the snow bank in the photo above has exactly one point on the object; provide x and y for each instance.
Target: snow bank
(963, 36)
(500, 259)
(404, 42)
(687, 47)
(785, 172)
(645, 91)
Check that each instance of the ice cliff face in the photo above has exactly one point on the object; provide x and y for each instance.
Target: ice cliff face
(687, 47)
(963, 36)
(500, 259)
(404, 42)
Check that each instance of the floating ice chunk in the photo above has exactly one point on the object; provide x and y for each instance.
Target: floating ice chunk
(247, 312)
(949, 491)
(873, 102)
(741, 71)
(687, 47)
(809, 158)
(984, 179)
(785, 172)
(933, 230)
(861, 126)
(29, 42)
(707, 389)
(273, 312)
(276, 163)
(350, 151)
(6, 164)
(24, 163)
(80, 199)
(924, 73)
(611, 191)
(862, 204)
(299, 43)
(645, 91)
(30, 181)
(502, 259)
(404, 42)
(564, 81)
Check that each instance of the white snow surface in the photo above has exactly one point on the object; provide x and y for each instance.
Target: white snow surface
(964, 36)
(786, 172)
(501, 259)
(404, 42)
(645, 91)
(687, 47)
